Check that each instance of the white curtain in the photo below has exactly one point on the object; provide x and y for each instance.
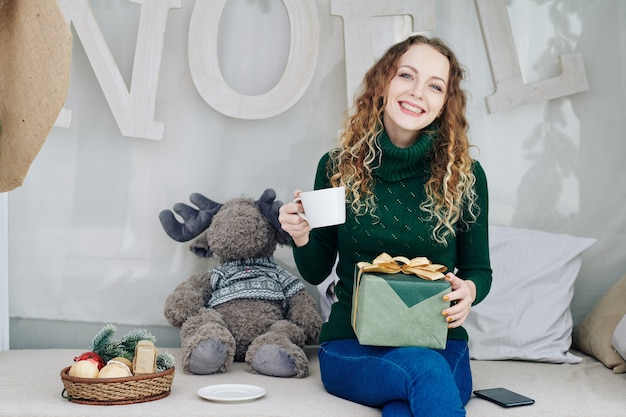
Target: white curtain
(85, 243)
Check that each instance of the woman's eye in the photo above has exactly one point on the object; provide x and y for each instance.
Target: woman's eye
(436, 87)
(406, 75)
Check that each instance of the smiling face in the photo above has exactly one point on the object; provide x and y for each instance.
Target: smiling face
(416, 94)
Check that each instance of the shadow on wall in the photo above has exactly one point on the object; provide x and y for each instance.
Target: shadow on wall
(570, 186)
(553, 155)
(551, 149)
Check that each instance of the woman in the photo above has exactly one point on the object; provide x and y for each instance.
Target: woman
(412, 189)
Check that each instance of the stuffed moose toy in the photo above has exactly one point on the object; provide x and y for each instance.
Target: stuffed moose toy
(247, 308)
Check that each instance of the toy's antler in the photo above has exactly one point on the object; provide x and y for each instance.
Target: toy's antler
(270, 208)
(194, 221)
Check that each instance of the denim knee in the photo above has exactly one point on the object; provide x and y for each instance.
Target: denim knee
(426, 381)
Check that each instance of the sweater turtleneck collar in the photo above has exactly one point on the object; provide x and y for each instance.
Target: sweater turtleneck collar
(400, 163)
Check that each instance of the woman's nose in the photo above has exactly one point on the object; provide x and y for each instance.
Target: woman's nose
(417, 90)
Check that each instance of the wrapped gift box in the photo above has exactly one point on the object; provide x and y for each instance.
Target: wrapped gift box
(399, 310)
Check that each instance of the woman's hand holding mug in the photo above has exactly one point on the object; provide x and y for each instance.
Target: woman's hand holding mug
(292, 222)
(311, 209)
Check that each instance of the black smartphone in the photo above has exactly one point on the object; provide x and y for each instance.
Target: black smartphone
(503, 397)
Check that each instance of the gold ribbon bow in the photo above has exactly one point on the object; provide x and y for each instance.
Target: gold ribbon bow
(419, 266)
(384, 263)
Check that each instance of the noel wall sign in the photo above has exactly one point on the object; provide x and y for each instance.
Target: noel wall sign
(133, 108)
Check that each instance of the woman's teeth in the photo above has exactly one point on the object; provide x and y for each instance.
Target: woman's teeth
(411, 108)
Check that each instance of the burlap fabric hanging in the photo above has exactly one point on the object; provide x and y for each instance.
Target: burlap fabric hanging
(35, 52)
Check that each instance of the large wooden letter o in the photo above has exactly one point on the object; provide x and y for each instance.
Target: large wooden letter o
(206, 74)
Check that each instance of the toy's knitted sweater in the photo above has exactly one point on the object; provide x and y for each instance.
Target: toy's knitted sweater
(401, 230)
(254, 278)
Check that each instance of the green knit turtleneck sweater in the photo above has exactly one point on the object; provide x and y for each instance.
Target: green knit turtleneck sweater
(401, 230)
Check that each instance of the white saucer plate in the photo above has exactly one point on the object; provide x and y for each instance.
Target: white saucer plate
(231, 392)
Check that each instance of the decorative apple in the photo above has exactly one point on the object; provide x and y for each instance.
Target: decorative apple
(91, 356)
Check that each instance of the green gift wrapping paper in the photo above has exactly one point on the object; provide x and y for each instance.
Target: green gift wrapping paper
(399, 310)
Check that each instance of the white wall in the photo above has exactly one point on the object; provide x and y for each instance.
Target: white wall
(85, 240)
(4, 271)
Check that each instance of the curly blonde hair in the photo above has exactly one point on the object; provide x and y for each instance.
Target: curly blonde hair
(451, 185)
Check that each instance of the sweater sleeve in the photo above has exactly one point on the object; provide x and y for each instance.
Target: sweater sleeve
(473, 245)
(316, 259)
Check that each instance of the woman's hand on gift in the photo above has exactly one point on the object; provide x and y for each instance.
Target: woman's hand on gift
(461, 298)
(292, 223)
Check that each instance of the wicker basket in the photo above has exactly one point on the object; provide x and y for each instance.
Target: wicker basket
(117, 391)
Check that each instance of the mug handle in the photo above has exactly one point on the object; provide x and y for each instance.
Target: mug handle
(299, 200)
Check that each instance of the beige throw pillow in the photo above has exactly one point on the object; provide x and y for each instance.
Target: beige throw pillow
(593, 334)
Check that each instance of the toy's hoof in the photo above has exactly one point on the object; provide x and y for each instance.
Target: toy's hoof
(208, 357)
(273, 360)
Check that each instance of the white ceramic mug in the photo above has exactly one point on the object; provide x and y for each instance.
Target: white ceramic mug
(323, 207)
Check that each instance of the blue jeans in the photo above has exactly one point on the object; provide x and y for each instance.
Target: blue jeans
(406, 381)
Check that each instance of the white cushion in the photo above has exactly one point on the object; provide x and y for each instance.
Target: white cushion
(619, 338)
(526, 315)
